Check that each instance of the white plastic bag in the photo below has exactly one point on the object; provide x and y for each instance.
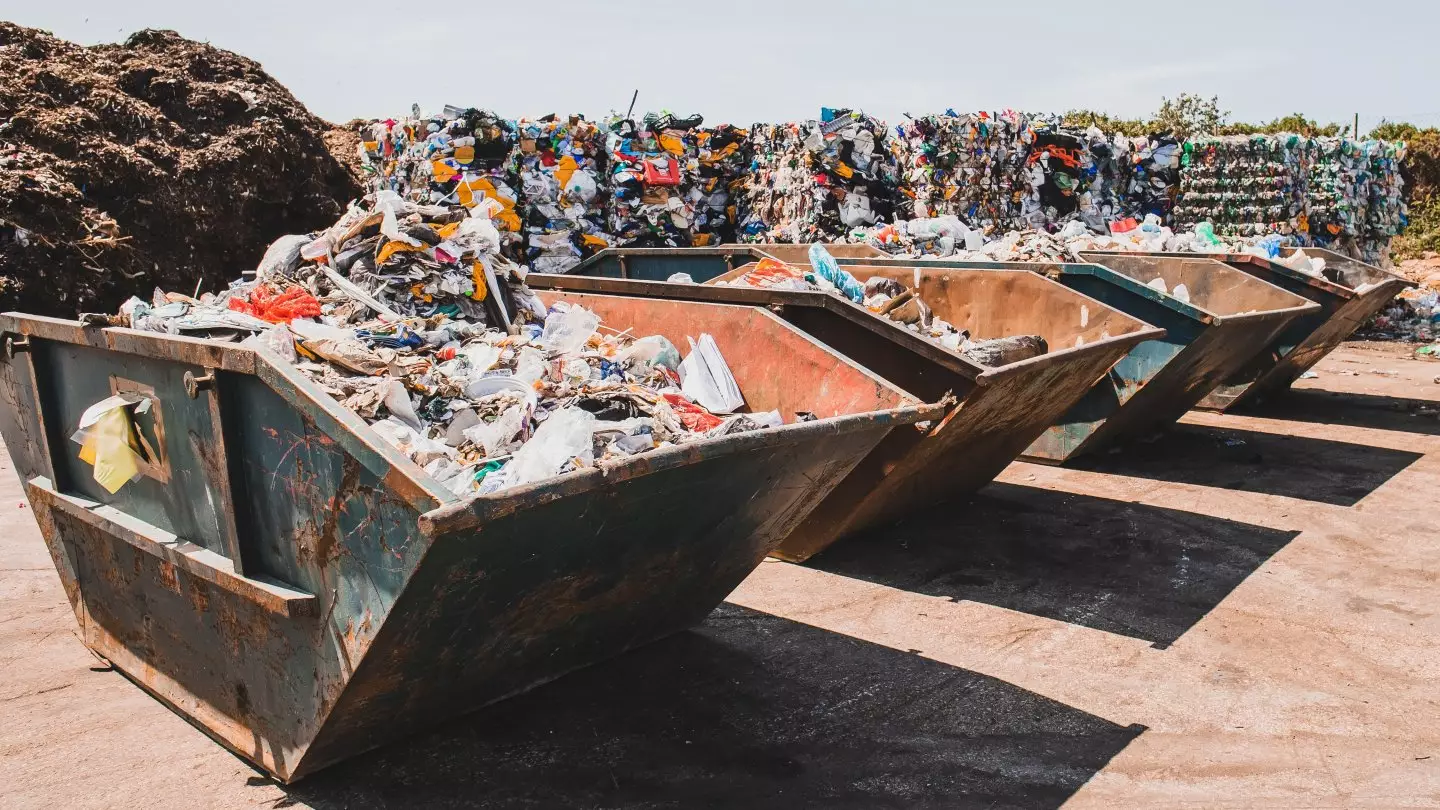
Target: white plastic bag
(495, 437)
(706, 378)
(564, 436)
(567, 330)
(397, 400)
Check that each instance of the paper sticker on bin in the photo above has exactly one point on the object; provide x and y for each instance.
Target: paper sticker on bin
(1001, 409)
(1216, 319)
(297, 587)
(1349, 293)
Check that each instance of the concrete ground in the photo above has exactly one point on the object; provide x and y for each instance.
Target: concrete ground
(1239, 614)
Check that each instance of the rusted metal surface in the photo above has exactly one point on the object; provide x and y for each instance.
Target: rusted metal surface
(1230, 316)
(658, 264)
(301, 592)
(702, 263)
(999, 411)
(1348, 292)
(800, 254)
(1228, 319)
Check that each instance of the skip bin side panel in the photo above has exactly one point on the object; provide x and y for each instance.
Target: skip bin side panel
(1204, 364)
(180, 492)
(20, 423)
(252, 667)
(1338, 324)
(316, 519)
(518, 601)
(1297, 336)
(909, 470)
(240, 673)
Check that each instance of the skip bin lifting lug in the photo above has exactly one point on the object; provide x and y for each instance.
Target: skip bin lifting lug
(194, 385)
(15, 344)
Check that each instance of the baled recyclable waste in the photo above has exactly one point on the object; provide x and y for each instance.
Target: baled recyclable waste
(813, 181)
(561, 164)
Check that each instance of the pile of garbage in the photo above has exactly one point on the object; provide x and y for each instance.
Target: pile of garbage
(1413, 317)
(971, 166)
(408, 315)
(890, 299)
(1155, 178)
(561, 163)
(653, 194)
(1333, 192)
(460, 157)
(718, 158)
(159, 161)
(813, 181)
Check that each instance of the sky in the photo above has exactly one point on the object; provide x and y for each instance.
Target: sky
(746, 61)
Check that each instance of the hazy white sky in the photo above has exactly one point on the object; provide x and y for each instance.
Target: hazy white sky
(746, 61)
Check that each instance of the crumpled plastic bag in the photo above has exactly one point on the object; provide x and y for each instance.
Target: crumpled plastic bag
(565, 437)
(705, 377)
(567, 330)
(827, 268)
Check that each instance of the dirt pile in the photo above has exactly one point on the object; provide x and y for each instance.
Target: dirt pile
(158, 162)
(1424, 271)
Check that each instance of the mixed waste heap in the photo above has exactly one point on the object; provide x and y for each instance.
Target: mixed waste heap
(159, 161)
(409, 314)
(812, 181)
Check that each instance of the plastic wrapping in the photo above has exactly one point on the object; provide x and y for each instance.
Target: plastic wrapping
(814, 181)
(561, 164)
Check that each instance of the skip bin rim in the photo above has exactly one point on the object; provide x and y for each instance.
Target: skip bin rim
(233, 358)
(1226, 258)
(1146, 330)
(1165, 299)
(1330, 255)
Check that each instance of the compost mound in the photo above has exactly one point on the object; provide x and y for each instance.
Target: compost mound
(159, 162)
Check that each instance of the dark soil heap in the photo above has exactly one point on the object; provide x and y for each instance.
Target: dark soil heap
(159, 162)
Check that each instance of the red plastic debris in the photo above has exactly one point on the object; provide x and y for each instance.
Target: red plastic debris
(283, 307)
(692, 416)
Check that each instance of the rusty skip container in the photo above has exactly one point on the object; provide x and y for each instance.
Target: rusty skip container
(1349, 293)
(301, 591)
(701, 263)
(1229, 318)
(1000, 411)
(658, 264)
(799, 254)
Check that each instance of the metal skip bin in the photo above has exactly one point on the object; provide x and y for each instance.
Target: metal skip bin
(658, 264)
(701, 263)
(1349, 293)
(1225, 318)
(301, 591)
(999, 412)
(799, 254)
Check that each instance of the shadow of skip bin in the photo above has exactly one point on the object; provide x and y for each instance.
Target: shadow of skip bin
(749, 710)
(1125, 568)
